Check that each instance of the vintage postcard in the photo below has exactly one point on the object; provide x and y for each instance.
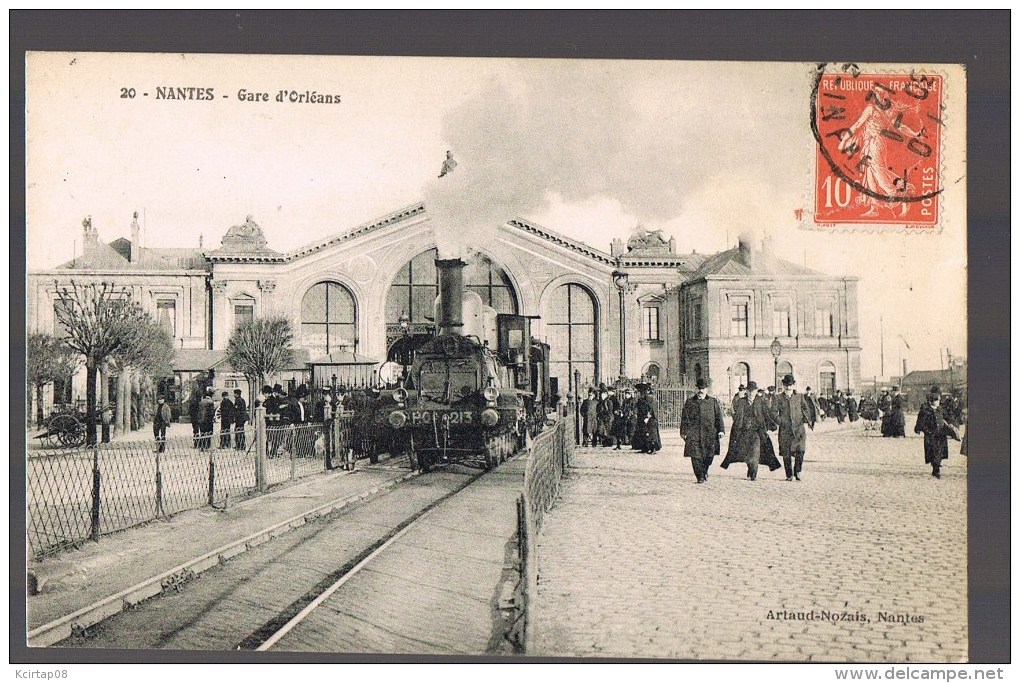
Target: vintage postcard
(497, 357)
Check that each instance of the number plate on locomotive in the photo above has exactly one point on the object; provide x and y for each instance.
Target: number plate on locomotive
(454, 417)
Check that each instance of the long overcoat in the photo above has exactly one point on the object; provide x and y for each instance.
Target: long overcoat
(851, 408)
(936, 431)
(791, 413)
(646, 432)
(743, 444)
(897, 421)
(761, 415)
(700, 426)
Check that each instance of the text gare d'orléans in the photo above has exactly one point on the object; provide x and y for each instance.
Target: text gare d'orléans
(196, 94)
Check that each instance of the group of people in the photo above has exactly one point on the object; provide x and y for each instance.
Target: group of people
(628, 420)
(841, 406)
(755, 414)
(204, 412)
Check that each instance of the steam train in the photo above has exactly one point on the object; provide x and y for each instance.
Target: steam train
(474, 390)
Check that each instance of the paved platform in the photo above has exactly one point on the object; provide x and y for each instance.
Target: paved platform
(865, 560)
(75, 579)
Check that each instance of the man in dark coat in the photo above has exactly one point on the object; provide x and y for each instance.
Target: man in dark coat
(851, 405)
(629, 415)
(227, 416)
(701, 426)
(207, 418)
(817, 404)
(743, 445)
(604, 416)
(761, 415)
(897, 421)
(160, 421)
(589, 418)
(839, 407)
(791, 412)
(646, 433)
(195, 413)
(240, 419)
(936, 431)
(618, 429)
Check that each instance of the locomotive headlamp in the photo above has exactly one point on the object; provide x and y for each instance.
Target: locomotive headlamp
(400, 395)
(490, 394)
(490, 417)
(397, 419)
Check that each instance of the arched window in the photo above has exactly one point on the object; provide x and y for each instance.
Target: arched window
(328, 319)
(741, 374)
(826, 379)
(570, 326)
(652, 372)
(415, 287)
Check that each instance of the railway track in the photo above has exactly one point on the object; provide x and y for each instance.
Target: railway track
(266, 598)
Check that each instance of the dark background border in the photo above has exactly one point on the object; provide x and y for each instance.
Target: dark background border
(980, 40)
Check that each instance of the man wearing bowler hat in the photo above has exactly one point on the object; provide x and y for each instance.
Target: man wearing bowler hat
(792, 411)
(701, 426)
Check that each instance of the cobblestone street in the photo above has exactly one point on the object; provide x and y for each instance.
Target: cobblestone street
(865, 560)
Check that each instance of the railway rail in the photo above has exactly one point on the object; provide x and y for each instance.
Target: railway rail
(257, 600)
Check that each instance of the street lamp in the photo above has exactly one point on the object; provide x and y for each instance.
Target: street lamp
(777, 350)
(620, 280)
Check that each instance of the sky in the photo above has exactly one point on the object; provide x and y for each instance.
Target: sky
(593, 149)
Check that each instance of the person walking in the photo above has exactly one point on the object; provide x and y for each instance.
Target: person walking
(629, 416)
(885, 406)
(701, 427)
(160, 421)
(743, 445)
(240, 419)
(936, 430)
(227, 416)
(604, 416)
(618, 429)
(839, 406)
(762, 423)
(792, 411)
(646, 433)
(851, 406)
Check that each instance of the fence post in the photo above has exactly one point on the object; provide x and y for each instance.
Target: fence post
(291, 450)
(260, 448)
(159, 484)
(96, 492)
(212, 478)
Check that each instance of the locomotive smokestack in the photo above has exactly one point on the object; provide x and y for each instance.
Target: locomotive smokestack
(450, 317)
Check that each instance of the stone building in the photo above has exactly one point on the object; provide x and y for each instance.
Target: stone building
(748, 315)
(641, 309)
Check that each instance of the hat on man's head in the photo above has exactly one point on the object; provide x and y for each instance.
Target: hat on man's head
(741, 387)
(771, 387)
(895, 388)
(642, 386)
(752, 386)
(278, 388)
(602, 386)
(789, 381)
(936, 390)
(702, 383)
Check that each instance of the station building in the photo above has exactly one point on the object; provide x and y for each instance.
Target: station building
(640, 310)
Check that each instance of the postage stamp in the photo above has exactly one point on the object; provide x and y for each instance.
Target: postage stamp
(878, 152)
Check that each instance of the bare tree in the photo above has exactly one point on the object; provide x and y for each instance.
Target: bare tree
(47, 360)
(261, 347)
(100, 321)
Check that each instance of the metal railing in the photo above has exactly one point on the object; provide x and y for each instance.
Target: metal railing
(550, 455)
(74, 495)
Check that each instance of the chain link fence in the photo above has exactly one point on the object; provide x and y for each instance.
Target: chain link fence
(78, 494)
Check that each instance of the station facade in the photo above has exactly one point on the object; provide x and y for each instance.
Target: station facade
(640, 310)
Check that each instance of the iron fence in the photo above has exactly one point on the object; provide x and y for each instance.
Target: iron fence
(78, 494)
(669, 403)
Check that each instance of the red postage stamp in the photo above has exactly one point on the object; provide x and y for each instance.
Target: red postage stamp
(879, 138)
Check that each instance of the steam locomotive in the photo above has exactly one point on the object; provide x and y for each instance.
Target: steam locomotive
(474, 390)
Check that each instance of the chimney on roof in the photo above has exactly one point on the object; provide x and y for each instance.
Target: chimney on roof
(136, 238)
(745, 251)
(617, 247)
(90, 234)
(767, 244)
